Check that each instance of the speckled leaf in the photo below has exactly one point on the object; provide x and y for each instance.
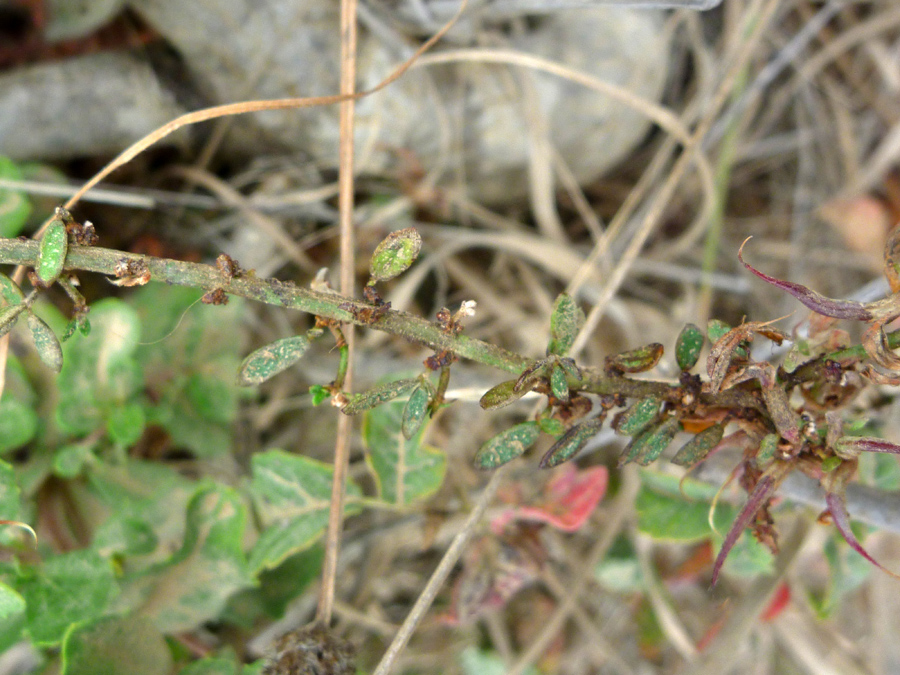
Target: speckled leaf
(378, 395)
(405, 470)
(688, 346)
(415, 411)
(565, 323)
(292, 494)
(115, 645)
(268, 361)
(12, 617)
(193, 586)
(52, 253)
(46, 343)
(696, 449)
(571, 442)
(502, 395)
(395, 254)
(638, 417)
(552, 426)
(638, 360)
(10, 291)
(716, 329)
(650, 444)
(66, 589)
(507, 445)
(559, 385)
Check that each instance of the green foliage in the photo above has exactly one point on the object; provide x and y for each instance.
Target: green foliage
(12, 616)
(54, 247)
(292, 495)
(405, 470)
(15, 207)
(688, 346)
(115, 645)
(507, 445)
(46, 343)
(565, 323)
(268, 361)
(394, 255)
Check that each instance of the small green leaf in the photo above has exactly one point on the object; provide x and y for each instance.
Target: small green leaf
(638, 417)
(638, 360)
(68, 588)
(69, 460)
(18, 423)
(415, 411)
(378, 395)
(688, 346)
(12, 617)
(552, 426)
(319, 394)
(395, 254)
(650, 444)
(571, 442)
(126, 424)
(46, 343)
(829, 464)
(15, 206)
(405, 470)
(766, 452)
(559, 385)
(292, 494)
(52, 253)
(716, 329)
(10, 291)
(272, 359)
(566, 321)
(115, 645)
(507, 445)
(502, 395)
(696, 449)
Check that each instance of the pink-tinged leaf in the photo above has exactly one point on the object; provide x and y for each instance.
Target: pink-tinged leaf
(570, 498)
(837, 507)
(760, 495)
(853, 445)
(780, 600)
(838, 309)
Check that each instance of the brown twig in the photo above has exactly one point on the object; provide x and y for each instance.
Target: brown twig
(348, 267)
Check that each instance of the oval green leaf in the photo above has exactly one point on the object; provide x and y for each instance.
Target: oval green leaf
(415, 411)
(571, 443)
(395, 254)
(559, 385)
(638, 417)
(46, 343)
(10, 291)
(637, 360)
(507, 445)
(566, 321)
(52, 254)
(696, 449)
(502, 395)
(649, 445)
(688, 346)
(378, 395)
(268, 361)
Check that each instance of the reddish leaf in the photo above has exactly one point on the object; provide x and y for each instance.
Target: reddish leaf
(851, 446)
(569, 499)
(780, 600)
(837, 507)
(839, 309)
(760, 495)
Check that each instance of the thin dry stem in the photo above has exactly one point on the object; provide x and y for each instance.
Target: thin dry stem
(426, 597)
(348, 267)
